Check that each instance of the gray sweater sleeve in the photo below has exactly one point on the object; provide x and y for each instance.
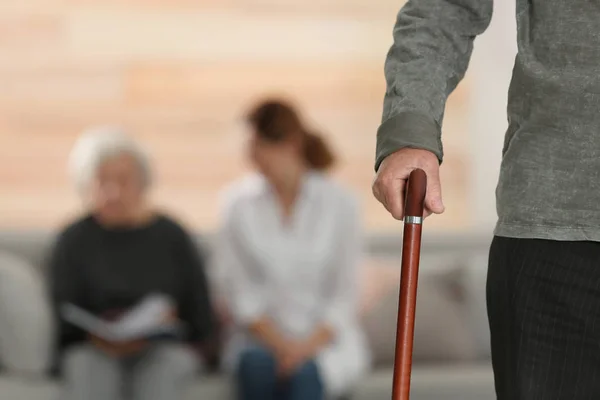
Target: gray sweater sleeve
(433, 42)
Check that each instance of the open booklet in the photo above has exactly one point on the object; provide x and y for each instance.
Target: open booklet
(146, 320)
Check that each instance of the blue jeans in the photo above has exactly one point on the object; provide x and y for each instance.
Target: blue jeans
(257, 379)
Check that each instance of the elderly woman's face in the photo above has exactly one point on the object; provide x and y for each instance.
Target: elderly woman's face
(118, 190)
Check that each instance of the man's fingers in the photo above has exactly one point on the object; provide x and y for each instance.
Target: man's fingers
(390, 193)
(379, 193)
(390, 181)
(394, 199)
(426, 212)
(433, 197)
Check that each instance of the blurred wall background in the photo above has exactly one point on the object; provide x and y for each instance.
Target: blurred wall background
(180, 73)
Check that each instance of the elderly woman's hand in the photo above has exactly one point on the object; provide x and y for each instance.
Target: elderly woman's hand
(119, 349)
(129, 348)
(171, 316)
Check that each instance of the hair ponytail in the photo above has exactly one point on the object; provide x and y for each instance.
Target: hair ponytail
(277, 121)
(317, 153)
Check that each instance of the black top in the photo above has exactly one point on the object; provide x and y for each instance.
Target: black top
(106, 270)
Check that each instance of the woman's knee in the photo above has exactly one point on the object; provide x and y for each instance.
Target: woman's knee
(174, 359)
(76, 357)
(90, 374)
(84, 359)
(257, 363)
(307, 375)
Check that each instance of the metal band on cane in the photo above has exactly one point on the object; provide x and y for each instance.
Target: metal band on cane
(409, 219)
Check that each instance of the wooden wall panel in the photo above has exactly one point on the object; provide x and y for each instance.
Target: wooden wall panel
(320, 83)
(223, 34)
(10, 8)
(336, 8)
(180, 74)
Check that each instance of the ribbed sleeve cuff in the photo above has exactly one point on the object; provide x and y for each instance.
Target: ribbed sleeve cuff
(408, 129)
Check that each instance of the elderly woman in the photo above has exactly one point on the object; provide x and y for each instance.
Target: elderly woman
(287, 260)
(107, 261)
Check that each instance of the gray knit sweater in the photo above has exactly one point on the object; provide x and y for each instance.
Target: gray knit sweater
(549, 183)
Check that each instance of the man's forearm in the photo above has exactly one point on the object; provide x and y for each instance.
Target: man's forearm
(433, 42)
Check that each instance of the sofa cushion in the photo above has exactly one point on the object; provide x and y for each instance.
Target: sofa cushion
(23, 388)
(26, 333)
(15, 387)
(441, 329)
(32, 247)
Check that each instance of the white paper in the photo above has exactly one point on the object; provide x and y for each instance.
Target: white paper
(148, 318)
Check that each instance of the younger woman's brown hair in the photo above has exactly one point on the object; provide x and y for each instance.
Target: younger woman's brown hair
(276, 121)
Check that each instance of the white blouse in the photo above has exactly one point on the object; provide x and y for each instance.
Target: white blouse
(300, 272)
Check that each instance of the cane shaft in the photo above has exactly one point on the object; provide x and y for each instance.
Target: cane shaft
(406, 311)
(411, 254)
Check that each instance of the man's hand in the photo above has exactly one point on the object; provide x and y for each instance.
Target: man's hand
(390, 181)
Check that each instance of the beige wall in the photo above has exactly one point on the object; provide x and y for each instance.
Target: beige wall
(491, 69)
(179, 73)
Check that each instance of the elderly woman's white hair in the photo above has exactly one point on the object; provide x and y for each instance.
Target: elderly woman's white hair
(99, 144)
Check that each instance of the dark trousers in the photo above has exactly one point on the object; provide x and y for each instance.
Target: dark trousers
(257, 379)
(543, 300)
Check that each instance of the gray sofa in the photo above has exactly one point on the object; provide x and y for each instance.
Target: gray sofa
(451, 358)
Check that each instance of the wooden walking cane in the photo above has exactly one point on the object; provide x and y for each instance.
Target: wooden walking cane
(411, 251)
